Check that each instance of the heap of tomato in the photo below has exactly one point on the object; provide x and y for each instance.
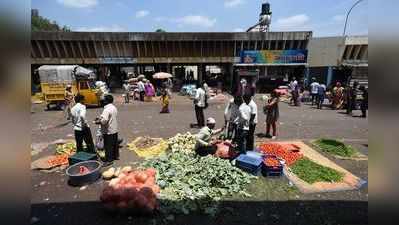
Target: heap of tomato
(272, 162)
(280, 151)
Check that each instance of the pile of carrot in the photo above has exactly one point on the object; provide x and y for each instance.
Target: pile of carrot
(134, 191)
(58, 160)
(275, 149)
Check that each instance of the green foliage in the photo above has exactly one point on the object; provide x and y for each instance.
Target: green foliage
(335, 147)
(191, 183)
(312, 172)
(160, 30)
(39, 23)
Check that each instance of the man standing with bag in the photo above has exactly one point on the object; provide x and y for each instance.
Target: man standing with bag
(80, 126)
(243, 127)
(109, 128)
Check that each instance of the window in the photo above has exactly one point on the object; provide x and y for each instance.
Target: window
(84, 85)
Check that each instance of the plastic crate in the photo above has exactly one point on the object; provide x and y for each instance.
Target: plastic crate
(81, 157)
(249, 164)
(272, 171)
(255, 154)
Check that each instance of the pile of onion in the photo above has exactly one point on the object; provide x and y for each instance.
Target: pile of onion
(132, 191)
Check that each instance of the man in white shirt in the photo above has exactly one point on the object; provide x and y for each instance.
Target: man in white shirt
(252, 122)
(109, 129)
(199, 104)
(141, 88)
(232, 115)
(80, 125)
(243, 127)
(293, 85)
(314, 90)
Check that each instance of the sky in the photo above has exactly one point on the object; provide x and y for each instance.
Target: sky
(323, 17)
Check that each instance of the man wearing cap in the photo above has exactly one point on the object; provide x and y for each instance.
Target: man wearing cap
(205, 144)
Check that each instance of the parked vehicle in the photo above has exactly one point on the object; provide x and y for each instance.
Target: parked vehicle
(55, 78)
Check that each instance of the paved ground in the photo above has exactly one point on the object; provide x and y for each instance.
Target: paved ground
(54, 202)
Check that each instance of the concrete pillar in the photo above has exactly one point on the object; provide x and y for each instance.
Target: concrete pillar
(307, 76)
(231, 74)
(200, 72)
(329, 75)
(168, 68)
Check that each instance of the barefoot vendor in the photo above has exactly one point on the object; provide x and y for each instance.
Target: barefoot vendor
(205, 143)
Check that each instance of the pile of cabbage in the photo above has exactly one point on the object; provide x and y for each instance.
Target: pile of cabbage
(193, 183)
(182, 143)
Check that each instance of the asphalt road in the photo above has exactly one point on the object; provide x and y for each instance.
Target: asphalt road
(54, 202)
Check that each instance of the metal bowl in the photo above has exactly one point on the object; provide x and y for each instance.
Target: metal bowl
(77, 179)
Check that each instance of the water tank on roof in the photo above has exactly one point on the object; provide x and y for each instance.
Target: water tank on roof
(265, 8)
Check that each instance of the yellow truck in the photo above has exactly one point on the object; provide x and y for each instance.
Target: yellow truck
(55, 78)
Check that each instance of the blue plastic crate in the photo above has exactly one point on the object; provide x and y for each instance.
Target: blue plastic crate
(254, 154)
(249, 164)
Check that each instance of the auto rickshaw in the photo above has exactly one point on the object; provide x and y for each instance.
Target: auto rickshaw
(55, 78)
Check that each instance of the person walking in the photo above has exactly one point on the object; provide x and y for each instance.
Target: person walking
(313, 90)
(141, 87)
(149, 91)
(293, 84)
(252, 122)
(272, 114)
(109, 129)
(338, 94)
(80, 126)
(232, 115)
(351, 95)
(68, 101)
(204, 144)
(164, 102)
(126, 88)
(199, 104)
(364, 105)
(243, 127)
(321, 92)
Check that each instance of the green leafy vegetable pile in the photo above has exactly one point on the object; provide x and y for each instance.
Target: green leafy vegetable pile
(335, 147)
(312, 172)
(191, 183)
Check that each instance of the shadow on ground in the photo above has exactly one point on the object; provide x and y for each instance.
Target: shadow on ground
(230, 213)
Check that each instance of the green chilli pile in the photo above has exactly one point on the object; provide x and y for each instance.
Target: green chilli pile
(192, 183)
(182, 143)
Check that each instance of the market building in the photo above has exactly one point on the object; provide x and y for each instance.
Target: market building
(343, 59)
(269, 57)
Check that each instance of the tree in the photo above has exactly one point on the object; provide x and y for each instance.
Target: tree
(159, 30)
(39, 23)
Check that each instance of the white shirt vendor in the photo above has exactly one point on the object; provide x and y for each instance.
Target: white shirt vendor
(200, 97)
(254, 111)
(314, 87)
(109, 123)
(245, 116)
(141, 86)
(78, 113)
